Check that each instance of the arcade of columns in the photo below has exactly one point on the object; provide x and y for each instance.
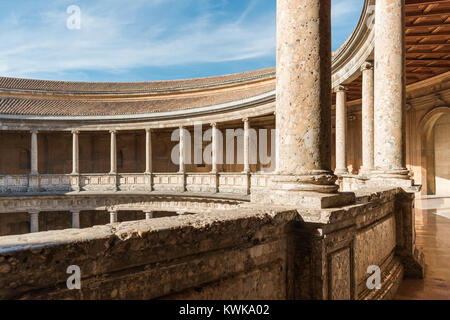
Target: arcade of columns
(303, 114)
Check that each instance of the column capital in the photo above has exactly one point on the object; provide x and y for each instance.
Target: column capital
(368, 65)
(341, 88)
(245, 119)
(148, 129)
(113, 131)
(213, 124)
(31, 212)
(75, 131)
(35, 131)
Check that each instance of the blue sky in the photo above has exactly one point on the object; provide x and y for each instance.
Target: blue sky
(143, 40)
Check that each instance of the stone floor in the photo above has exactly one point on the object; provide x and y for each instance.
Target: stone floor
(433, 237)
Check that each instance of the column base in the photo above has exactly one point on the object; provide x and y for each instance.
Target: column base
(393, 178)
(341, 172)
(317, 191)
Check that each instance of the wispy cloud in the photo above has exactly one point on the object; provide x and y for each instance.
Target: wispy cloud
(117, 36)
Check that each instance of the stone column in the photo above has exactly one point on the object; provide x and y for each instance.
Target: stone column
(148, 151)
(148, 215)
(182, 151)
(389, 91)
(75, 219)
(214, 148)
(34, 221)
(367, 118)
(341, 130)
(246, 145)
(113, 216)
(113, 156)
(34, 153)
(75, 152)
(303, 116)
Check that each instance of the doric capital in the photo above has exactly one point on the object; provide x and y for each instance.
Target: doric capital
(368, 65)
(113, 131)
(213, 124)
(34, 131)
(340, 88)
(149, 130)
(75, 131)
(244, 119)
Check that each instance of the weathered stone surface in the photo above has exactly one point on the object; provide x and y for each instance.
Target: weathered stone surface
(248, 253)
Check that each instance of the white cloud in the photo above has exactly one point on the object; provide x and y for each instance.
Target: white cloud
(110, 39)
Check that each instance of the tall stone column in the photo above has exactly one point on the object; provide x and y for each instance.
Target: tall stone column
(390, 91)
(113, 156)
(367, 118)
(34, 153)
(75, 152)
(34, 221)
(182, 151)
(303, 116)
(246, 145)
(341, 130)
(214, 150)
(75, 219)
(148, 151)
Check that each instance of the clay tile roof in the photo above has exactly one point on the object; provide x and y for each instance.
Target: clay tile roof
(66, 87)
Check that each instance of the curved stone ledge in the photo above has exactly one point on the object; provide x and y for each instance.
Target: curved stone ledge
(247, 253)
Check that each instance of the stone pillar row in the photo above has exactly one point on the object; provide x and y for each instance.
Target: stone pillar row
(148, 150)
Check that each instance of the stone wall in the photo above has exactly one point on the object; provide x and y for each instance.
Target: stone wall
(244, 253)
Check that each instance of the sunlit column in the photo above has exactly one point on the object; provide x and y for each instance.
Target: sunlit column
(246, 145)
(148, 151)
(341, 130)
(214, 148)
(113, 151)
(75, 152)
(182, 150)
(367, 117)
(34, 153)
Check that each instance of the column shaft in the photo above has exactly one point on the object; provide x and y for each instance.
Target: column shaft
(148, 151)
(246, 145)
(148, 215)
(113, 155)
(341, 130)
(75, 152)
(389, 133)
(34, 153)
(75, 219)
(367, 118)
(214, 150)
(303, 115)
(34, 222)
(112, 216)
(182, 150)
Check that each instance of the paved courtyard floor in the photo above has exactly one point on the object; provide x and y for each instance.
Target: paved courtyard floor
(433, 238)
